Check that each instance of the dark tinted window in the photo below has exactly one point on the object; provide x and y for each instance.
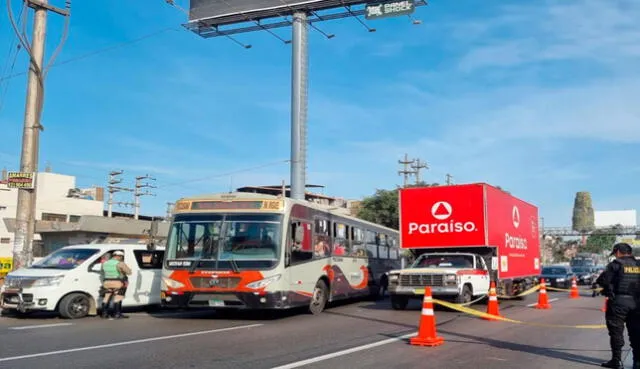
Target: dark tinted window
(149, 259)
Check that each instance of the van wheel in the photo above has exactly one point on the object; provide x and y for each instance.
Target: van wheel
(74, 306)
(319, 298)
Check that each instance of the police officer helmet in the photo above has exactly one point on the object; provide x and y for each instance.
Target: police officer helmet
(118, 253)
(623, 247)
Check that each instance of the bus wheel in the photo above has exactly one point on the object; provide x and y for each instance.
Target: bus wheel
(319, 298)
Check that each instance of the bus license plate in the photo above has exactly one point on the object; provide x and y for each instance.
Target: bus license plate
(215, 302)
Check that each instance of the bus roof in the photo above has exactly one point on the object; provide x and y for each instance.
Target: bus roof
(256, 202)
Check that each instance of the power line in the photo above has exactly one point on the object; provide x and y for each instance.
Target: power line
(97, 51)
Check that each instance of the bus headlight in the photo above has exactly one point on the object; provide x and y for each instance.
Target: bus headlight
(171, 283)
(263, 282)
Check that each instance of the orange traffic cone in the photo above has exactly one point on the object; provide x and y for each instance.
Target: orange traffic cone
(492, 306)
(574, 294)
(427, 335)
(543, 298)
(604, 307)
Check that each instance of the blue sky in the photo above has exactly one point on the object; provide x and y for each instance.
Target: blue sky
(540, 98)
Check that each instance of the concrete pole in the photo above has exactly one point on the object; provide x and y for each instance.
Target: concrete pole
(299, 97)
(25, 215)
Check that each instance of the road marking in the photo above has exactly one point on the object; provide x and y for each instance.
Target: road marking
(144, 340)
(316, 359)
(550, 300)
(40, 326)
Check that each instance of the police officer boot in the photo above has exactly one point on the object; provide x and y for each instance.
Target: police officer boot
(119, 314)
(615, 363)
(104, 310)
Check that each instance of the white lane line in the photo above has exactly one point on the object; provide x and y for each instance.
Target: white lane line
(550, 300)
(316, 359)
(116, 344)
(40, 326)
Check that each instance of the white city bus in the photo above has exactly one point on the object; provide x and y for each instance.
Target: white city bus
(254, 251)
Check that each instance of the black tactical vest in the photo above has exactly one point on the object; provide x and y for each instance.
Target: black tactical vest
(628, 281)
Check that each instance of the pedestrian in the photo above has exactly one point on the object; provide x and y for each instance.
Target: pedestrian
(621, 284)
(115, 279)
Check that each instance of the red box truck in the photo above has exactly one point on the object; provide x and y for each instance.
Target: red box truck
(463, 237)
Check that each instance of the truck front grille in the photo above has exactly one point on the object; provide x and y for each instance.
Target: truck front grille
(421, 280)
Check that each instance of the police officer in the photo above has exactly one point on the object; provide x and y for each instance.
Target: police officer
(115, 276)
(621, 284)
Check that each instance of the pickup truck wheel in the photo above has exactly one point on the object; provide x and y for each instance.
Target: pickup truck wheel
(465, 296)
(74, 306)
(399, 302)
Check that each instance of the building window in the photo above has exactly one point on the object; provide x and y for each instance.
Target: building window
(74, 218)
(5, 240)
(54, 217)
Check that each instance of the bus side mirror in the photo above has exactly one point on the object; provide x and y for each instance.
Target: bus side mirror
(299, 236)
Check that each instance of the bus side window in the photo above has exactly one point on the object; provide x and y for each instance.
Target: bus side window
(370, 244)
(358, 248)
(340, 245)
(300, 241)
(383, 249)
(321, 239)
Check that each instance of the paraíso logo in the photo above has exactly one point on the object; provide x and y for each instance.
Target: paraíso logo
(442, 210)
(515, 242)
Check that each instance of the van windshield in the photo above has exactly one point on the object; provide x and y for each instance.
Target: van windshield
(64, 259)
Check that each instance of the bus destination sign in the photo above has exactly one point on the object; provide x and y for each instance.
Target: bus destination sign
(389, 9)
(237, 205)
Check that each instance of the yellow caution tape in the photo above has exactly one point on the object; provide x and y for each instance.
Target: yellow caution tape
(466, 310)
(525, 293)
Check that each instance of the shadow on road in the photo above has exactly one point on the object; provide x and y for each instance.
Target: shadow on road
(561, 354)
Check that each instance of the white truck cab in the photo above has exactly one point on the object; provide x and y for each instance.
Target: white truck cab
(68, 280)
(454, 276)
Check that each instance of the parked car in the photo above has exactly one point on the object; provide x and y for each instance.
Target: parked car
(69, 279)
(585, 275)
(558, 276)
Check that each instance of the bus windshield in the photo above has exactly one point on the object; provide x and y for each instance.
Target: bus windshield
(226, 241)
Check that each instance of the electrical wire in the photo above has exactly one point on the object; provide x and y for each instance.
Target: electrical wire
(97, 51)
(9, 65)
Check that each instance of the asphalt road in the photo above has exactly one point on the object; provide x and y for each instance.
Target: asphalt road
(361, 334)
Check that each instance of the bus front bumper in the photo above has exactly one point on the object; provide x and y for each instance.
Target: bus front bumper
(228, 300)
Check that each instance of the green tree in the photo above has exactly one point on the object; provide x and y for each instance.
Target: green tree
(381, 208)
(602, 240)
(583, 216)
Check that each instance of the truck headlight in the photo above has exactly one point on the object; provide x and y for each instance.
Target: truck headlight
(393, 278)
(171, 283)
(451, 279)
(48, 281)
(264, 282)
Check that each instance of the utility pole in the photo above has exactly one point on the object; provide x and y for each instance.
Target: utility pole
(169, 212)
(26, 206)
(137, 193)
(113, 189)
(449, 179)
(419, 165)
(405, 171)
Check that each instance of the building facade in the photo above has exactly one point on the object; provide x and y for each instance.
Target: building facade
(57, 200)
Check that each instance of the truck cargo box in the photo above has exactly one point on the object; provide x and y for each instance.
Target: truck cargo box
(472, 215)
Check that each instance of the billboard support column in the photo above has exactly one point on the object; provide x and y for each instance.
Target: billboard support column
(299, 98)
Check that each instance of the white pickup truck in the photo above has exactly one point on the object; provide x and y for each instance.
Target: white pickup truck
(452, 276)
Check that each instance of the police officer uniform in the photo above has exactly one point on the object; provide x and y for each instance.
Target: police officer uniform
(621, 284)
(114, 282)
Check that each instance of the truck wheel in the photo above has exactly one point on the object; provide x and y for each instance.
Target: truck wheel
(399, 302)
(465, 296)
(74, 306)
(319, 298)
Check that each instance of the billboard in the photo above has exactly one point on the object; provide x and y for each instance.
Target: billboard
(20, 180)
(223, 12)
(445, 216)
(513, 227)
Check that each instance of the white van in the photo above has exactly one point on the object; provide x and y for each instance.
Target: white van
(69, 279)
